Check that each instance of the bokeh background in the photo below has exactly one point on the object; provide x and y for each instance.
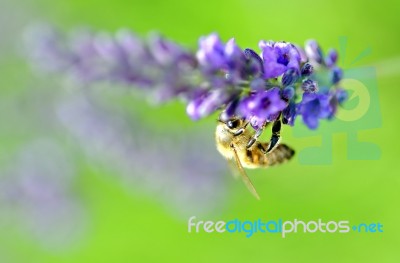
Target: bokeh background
(97, 174)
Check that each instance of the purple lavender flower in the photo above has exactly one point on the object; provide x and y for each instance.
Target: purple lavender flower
(254, 65)
(290, 77)
(288, 93)
(234, 56)
(219, 77)
(208, 103)
(336, 75)
(211, 53)
(341, 95)
(262, 106)
(230, 110)
(331, 58)
(307, 70)
(314, 52)
(289, 114)
(302, 53)
(257, 84)
(309, 85)
(278, 57)
(314, 107)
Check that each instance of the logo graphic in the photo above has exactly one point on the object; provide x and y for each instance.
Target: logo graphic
(281, 227)
(357, 90)
(360, 112)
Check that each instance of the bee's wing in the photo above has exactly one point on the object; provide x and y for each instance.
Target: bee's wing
(245, 177)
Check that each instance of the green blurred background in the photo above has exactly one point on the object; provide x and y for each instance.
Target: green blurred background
(134, 225)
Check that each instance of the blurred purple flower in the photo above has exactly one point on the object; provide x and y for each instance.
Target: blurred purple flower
(36, 191)
(179, 169)
(211, 53)
(208, 103)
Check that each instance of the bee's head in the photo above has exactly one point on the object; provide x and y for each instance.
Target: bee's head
(231, 124)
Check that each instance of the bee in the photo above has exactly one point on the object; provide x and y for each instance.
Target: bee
(241, 147)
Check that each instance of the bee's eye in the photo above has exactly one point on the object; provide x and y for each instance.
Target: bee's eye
(232, 124)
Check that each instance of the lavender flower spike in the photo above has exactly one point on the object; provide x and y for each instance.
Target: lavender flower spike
(279, 83)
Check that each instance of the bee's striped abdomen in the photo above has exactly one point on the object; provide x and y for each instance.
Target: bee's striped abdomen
(280, 154)
(257, 156)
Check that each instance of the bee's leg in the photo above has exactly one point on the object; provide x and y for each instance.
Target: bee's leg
(276, 136)
(241, 130)
(261, 147)
(256, 135)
